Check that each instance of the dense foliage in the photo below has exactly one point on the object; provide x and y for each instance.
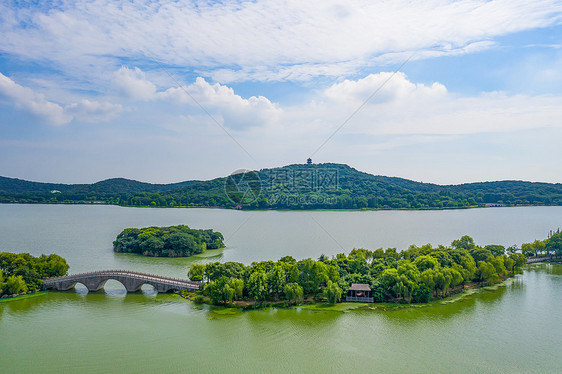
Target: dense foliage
(549, 247)
(316, 186)
(173, 241)
(415, 275)
(22, 272)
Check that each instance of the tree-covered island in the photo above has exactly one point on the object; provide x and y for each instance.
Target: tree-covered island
(173, 241)
(22, 273)
(415, 275)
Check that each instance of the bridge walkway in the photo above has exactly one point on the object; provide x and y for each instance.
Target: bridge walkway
(132, 281)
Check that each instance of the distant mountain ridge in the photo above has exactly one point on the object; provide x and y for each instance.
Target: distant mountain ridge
(297, 186)
(116, 185)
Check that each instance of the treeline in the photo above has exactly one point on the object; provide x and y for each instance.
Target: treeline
(415, 275)
(173, 241)
(22, 272)
(549, 247)
(317, 186)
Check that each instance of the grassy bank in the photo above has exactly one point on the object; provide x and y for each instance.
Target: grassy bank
(26, 296)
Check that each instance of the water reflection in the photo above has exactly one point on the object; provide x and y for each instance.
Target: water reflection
(549, 268)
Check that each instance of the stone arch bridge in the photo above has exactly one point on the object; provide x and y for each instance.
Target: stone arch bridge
(133, 281)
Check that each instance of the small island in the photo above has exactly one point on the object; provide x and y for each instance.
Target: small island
(22, 273)
(172, 241)
(415, 275)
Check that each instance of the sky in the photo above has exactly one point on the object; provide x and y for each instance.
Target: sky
(436, 91)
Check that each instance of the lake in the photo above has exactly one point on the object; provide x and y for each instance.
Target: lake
(515, 328)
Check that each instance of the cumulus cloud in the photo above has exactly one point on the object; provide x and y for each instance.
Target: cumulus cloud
(234, 109)
(93, 111)
(25, 99)
(262, 40)
(385, 86)
(133, 83)
(403, 112)
(219, 100)
(33, 103)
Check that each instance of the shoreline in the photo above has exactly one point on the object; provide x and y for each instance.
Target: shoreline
(344, 306)
(102, 203)
(22, 297)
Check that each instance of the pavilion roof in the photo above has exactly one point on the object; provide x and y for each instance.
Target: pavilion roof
(360, 287)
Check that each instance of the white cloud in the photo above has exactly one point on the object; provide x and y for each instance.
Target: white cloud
(33, 103)
(385, 86)
(401, 107)
(236, 111)
(93, 111)
(220, 101)
(402, 114)
(261, 40)
(25, 99)
(133, 83)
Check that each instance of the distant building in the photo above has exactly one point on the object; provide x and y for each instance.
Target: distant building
(55, 191)
(359, 292)
(309, 161)
(494, 205)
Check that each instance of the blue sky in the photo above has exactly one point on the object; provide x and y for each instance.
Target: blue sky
(170, 91)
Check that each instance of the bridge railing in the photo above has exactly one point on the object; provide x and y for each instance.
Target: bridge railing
(148, 276)
(542, 259)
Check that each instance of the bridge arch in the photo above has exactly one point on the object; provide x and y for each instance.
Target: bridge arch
(113, 286)
(80, 289)
(148, 289)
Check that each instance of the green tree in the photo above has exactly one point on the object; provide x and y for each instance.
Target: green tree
(426, 262)
(293, 292)
(499, 265)
(238, 287)
(276, 280)
(519, 260)
(554, 244)
(534, 248)
(257, 285)
(224, 290)
(486, 272)
(293, 274)
(333, 292)
(183, 244)
(481, 254)
(496, 250)
(421, 294)
(465, 242)
(443, 280)
(152, 246)
(196, 272)
(427, 277)
(457, 278)
(14, 285)
(288, 260)
(528, 250)
(509, 263)
(391, 282)
(213, 271)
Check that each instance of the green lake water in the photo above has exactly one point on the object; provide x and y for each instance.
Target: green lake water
(510, 329)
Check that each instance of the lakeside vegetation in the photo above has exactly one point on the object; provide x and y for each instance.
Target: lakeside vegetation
(415, 275)
(22, 273)
(316, 186)
(173, 241)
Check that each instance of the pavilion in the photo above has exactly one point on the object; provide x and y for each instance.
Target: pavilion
(359, 292)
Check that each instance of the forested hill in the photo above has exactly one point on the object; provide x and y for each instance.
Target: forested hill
(23, 190)
(316, 186)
